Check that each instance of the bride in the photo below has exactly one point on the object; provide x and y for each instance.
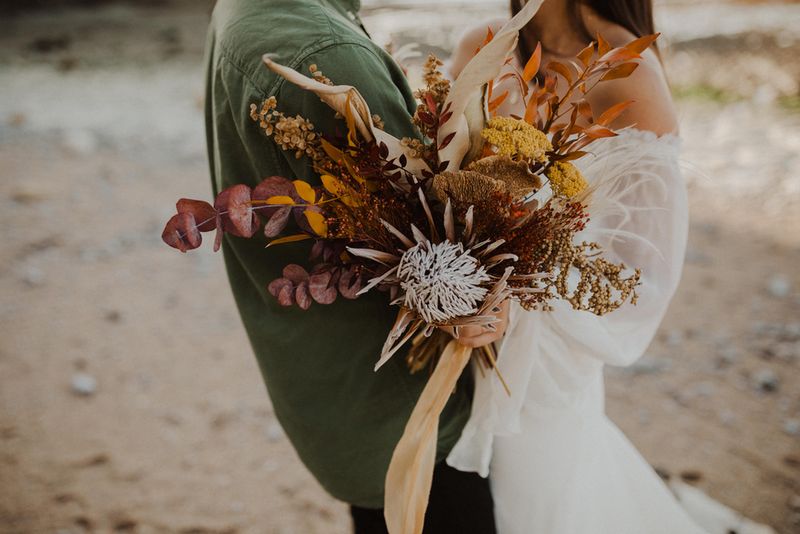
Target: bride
(556, 463)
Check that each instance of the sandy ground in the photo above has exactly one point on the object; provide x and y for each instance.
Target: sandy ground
(129, 398)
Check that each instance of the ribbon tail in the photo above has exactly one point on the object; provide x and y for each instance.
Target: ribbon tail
(408, 481)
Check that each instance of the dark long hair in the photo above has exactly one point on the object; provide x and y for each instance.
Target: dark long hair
(636, 16)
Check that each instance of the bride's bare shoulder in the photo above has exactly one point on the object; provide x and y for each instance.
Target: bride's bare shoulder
(647, 87)
(469, 42)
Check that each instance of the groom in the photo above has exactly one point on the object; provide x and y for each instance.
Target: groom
(342, 418)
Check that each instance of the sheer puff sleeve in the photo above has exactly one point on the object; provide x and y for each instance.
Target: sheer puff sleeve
(639, 216)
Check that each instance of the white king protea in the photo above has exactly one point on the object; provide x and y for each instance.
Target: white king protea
(441, 281)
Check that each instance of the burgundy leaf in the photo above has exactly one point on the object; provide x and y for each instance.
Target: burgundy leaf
(203, 212)
(272, 187)
(302, 296)
(316, 250)
(295, 273)
(277, 222)
(181, 232)
(235, 210)
(218, 235)
(277, 285)
(446, 141)
(286, 296)
(349, 285)
(319, 287)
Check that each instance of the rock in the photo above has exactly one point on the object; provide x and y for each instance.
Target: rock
(792, 427)
(766, 380)
(275, 432)
(83, 384)
(779, 286)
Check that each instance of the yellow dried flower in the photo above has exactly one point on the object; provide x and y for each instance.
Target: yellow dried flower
(517, 138)
(566, 179)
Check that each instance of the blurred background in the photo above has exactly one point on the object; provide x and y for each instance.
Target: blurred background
(129, 398)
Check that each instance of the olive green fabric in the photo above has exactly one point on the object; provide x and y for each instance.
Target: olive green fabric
(343, 418)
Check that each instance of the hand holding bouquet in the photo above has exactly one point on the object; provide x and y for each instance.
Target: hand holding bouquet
(481, 208)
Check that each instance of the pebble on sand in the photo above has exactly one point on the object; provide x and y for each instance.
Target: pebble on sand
(766, 380)
(779, 286)
(83, 384)
(792, 427)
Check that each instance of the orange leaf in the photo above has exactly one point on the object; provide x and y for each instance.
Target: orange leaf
(613, 112)
(620, 71)
(532, 67)
(602, 45)
(596, 132)
(642, 43)
(619, 54)
(573, 155)
(585, 109)
(317, 222)
(288, 239)
(532, 110)
(494, 104)
(280, 199)
(586, 54)
(305, 191)
(560, 68)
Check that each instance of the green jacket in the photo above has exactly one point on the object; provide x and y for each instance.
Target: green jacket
(343, 418)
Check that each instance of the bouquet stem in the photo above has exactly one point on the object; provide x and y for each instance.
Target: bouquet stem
(408, 481)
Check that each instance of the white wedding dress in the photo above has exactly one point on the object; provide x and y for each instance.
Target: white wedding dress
(556, 462)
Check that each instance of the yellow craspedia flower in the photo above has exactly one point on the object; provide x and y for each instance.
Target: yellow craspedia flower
(566, 179)
(517, 138)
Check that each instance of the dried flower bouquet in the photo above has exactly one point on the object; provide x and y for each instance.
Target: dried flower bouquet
(481, 208)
